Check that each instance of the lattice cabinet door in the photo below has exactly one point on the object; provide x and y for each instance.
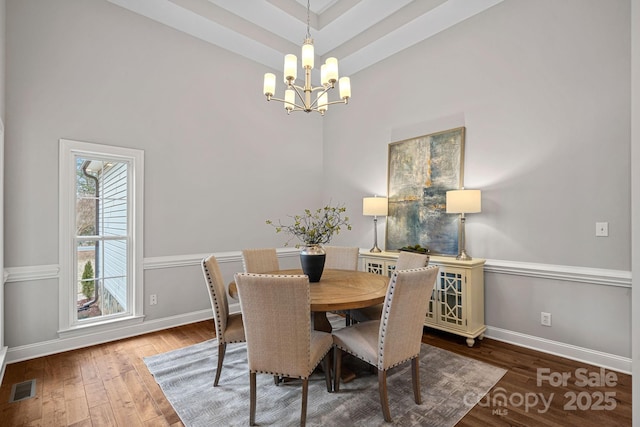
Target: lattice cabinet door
(431, 308)
(450, 298)
(390, 267)
(374, 266)
(379, 266)
(458, 302)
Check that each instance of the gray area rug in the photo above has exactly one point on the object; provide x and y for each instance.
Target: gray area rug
(451, 386)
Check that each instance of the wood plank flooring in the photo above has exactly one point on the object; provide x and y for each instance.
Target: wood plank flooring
(587, 397)
(109, 385)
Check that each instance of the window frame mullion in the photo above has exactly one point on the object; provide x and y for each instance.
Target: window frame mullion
(69, 240)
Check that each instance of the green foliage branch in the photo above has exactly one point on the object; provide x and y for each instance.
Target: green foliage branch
(314, 227)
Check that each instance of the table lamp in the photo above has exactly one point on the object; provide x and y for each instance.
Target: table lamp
(463, 202)
(375, 206)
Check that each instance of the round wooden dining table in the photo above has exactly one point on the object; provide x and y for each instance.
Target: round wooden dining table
(338, 290)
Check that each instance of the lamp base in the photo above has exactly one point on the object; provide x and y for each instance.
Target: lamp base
(462, 256)
(375, 247)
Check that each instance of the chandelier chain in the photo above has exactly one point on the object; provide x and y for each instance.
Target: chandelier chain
(308, 7)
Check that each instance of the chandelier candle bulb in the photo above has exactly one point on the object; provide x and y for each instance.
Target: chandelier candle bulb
(289, 99)
(323, 75)
(307, 54)
(323, 103)
(269, 84)
(332, 70)
(290, 68)
(345, 88)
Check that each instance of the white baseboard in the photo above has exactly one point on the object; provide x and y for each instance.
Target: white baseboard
(26, 352)
(31, 351)
(593, 357)
(3, 362)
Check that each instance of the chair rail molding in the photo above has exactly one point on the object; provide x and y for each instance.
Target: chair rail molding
(196, 259)
(31, 273)
(596, 276)
(52, 271)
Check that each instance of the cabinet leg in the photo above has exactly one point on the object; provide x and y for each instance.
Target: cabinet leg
(470, 342)
(480, 337)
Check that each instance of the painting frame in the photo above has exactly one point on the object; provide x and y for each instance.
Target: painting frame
(420, 172)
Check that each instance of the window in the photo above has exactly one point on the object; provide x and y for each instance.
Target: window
(100, 235)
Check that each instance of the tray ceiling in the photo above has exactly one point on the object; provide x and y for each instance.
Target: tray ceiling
(357, 32)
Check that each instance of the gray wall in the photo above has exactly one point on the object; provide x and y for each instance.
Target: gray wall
(546, 109)
(635, 196)
(219, 159)
(2, 56)
(2, 119)
(543, 88)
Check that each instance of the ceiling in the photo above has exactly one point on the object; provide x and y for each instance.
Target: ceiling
(357, 32)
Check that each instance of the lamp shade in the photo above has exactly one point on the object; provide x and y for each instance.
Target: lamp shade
(374, 206)
(463, 201)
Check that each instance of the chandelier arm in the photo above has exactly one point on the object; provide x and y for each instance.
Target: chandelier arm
(314, 103)
(342, 101)
(296, 107)
(324, 89)
(298, 91)
(313, 106)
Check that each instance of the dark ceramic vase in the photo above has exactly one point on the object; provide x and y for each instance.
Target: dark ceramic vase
(312, 260)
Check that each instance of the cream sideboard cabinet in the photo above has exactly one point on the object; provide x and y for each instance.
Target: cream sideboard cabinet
(457, 302)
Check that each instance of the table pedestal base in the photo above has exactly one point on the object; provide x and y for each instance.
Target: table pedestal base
(320, 321)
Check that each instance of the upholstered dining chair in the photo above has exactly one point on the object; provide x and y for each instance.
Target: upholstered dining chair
(261, 260)
(342, 258)
(395, 338)
(229, 327)
(280, 340)
(406, 261)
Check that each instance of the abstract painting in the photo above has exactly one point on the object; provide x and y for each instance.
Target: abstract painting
(421, 170)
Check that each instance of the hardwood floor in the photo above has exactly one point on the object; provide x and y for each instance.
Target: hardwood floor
(586, 397)
(109, 385)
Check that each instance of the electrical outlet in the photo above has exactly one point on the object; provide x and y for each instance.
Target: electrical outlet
(602, 229)
(153, 299)
(545, 319)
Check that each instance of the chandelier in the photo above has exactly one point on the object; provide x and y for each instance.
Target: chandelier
(299, 98)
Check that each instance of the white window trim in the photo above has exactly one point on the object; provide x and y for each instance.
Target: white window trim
(68, 149)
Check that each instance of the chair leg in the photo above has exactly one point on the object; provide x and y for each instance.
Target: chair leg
(415, 379)
(303, 411)
(222, 348)
(384, 399)
(327, 371)
(252, 398)
(337, 367)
